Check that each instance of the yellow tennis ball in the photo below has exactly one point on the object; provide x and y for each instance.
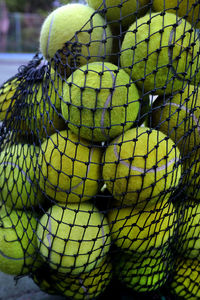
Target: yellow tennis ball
(18, 242)
(79, 32)
(141, 231)
(120, 11)
(7, 97)
(143, 275)
(178, 118)
(191, 177)
(141, 166)
(69, 168)
(186, 279)
(17, 177)
(100, 102)
(161, 53)
(87, 285)
(42, 106)
(188, 245)
(189, 9)
(73, 238)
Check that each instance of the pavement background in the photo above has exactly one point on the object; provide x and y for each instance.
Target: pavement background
(25, 288)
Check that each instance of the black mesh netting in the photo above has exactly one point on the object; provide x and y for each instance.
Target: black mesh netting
(99, 158)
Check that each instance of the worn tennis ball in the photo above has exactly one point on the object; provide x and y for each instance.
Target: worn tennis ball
(80, 34)
(186, 279)
(142, 231)
(17, 176)
(161, 52)
(87, 285)
(189, 230)
(189, 9)
(178, 117)
(141, 166)
(121, 11)
(143, 275)
(18, 242)
(69, 168)
(7, 97)
(42, 106)
(73, 238)
(100, 101)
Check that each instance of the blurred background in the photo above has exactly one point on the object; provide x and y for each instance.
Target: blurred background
(20, 24)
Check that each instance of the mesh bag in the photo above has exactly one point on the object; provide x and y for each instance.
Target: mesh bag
(99, 158)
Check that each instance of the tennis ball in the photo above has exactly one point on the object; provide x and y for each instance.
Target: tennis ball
(87, 285)
(18, 242)
(7, 97)
(189, 9)
(120, 11)
(191, 177)
(160, 52)
(189, 231)
(141, 166)
(178, 117)
(142, 231)
(73, 238)
(142, 275)
(186, 279)
(87, 38)
(17, 176)
(69, 168)
(100, 102)
(42, 106)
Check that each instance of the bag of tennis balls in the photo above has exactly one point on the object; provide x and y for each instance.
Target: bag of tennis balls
(112, 183)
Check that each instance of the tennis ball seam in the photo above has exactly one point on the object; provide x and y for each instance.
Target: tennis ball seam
(187, 111)
(170, 51)
(141, 170)
(59, 190)
(19, 168)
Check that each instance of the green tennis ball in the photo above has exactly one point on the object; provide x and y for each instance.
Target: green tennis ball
(69, 168)
(120, 12)
(186, 279)
(18, 242)
(7, 97)
(189, 231)
(73, 238)
(187, 9)
(178, 118)
(191, 177)
(87, 38)
(87, 285)
(17, 176)
(100, 102)
(143, 275)
(42, 106)
(161, 52)
(142, 231)
(141, 166)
